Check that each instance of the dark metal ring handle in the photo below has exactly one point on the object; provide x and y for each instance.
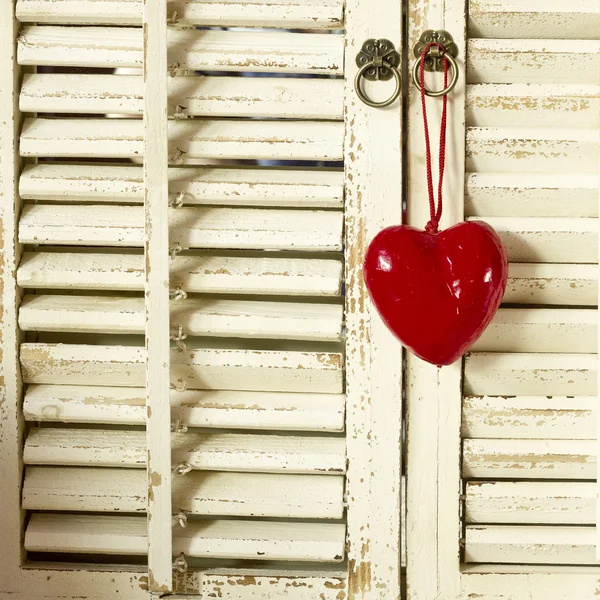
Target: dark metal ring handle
(446, 90)
(358, 86)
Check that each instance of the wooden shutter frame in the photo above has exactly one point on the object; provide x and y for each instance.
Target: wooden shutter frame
(373, 371)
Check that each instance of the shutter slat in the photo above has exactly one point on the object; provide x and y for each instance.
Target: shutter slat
(197, 96)
(263, 540)
(541, 330)
(194, 227)
(204, 273)
(531, 195)
(529, 417)
(531, 502)
(520, 105)
(531, 545)
(307, 188)
(518, 374)
(549, 240)
(204, 451)
(529, 459)
(543, 150)
(211, 493)
(189, 49)
(201, 317)
(189, 140)
(233, 369)
(220, 409)
(532, 61)
(296, 14)
(537, 283)
(534, 19)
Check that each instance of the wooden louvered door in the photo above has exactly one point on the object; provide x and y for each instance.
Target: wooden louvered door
(155, 184)
(502, 448)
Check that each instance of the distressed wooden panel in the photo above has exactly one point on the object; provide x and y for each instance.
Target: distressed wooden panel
(188, 140)
(531, 195)
(543, 150)
(204, 273)
(204, 451)
(220, 409)
(306, 188)
(210, 493)
(534, 19)
(203, 368)
(201, 317)
(541, 330)
(287, 98)
(529, 459)
(521, 104)
(298, 14)
(189, 49)
(262, 540)
(531, 545)
(531, 502)
(194, 227)
(538, 283)
(530, 417)
(517, 374)
(548, 240)
(532, 61)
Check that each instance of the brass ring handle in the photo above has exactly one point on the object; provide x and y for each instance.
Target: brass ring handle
(363, 96)
(446, 90)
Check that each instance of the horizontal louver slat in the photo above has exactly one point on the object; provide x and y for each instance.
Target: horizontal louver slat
(233, 369)
(210, 493)
(296, 14)
(220, 409)
(263, 540)
(189, 49)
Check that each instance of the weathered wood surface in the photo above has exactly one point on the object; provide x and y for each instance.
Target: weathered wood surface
(531, 502)
(188, 140)
(541, 330)
(201, 493)
(529, 459)
(557, 284)
(198, 273)
(198, 317)
(531, 545)
(200, 368)
(194, 227)
(289, 188)
(530, 417)
(287, 98)
(204, 451)
(257, 540)
(218, 409)
(544, 374)
(534, 19)
(298, 14)
(188, 49)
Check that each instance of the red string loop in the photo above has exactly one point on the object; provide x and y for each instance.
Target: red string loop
(435, 213)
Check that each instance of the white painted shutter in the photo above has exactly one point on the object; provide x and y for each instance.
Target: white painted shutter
(282, 460)
(502, 448)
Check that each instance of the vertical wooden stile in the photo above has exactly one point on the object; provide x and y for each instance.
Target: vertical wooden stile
(10, 381)
(158, 424)
(434, 395)
(373, 357)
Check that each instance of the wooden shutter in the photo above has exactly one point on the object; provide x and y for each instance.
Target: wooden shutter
(285, 395)
(502, 446)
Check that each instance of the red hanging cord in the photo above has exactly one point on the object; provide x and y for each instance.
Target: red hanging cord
(435, 213)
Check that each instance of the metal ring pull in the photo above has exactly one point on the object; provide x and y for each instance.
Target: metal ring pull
(446, 90)
(378, 61)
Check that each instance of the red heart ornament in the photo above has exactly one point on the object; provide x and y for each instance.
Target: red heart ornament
(437, 292)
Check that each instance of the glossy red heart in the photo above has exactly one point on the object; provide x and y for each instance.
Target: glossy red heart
(437, 292)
